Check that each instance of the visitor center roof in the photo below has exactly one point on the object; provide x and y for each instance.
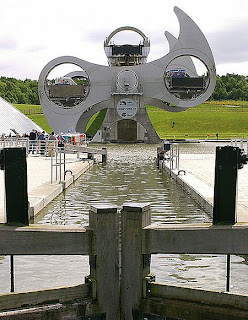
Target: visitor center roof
(12, 120)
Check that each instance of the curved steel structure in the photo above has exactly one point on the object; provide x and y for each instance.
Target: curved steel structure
(126, 28)
(154, 83)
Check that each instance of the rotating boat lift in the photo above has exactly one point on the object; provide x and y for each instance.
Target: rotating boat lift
(129, 83)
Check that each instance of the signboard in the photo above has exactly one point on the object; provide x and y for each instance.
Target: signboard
(126, 108)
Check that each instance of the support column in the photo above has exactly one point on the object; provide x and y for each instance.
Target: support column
(134, 266)
(104, 260)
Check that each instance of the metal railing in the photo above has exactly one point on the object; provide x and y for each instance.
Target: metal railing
(58, 162)
(174, 156)
(35, 147)
(10, 142)
(170, 152)
(241, 143)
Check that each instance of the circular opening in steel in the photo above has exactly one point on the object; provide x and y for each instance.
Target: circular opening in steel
(67, 85)
(186, 77)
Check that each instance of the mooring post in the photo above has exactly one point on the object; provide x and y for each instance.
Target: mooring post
(226, 170)
(228, 161)
(134, 265)
(90, 156)
(104, 260)
(160, 155)
(228, 272)
(12, 276)
(13, 162)
(104, 155)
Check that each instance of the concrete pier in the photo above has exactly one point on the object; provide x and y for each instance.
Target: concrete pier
(196, 175)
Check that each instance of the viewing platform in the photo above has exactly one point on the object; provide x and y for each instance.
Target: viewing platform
(49, 175)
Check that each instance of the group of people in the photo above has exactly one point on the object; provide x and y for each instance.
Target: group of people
(38, 141)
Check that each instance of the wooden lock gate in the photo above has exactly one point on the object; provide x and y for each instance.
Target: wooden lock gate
(120, 285)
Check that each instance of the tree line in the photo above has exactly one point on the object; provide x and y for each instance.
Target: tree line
(231, 87)
(19, 91)
(228, 87)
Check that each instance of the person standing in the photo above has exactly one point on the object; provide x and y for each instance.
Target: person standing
(32, 141)
(52, 136)
(42, 139)
(52, 143)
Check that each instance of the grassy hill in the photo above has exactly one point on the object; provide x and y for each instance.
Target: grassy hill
(31, 111)
(228, 118)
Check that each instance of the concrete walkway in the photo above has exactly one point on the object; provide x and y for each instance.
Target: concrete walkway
(40, 189)
(199, 181)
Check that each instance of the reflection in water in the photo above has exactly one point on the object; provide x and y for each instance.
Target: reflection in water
(129, 175)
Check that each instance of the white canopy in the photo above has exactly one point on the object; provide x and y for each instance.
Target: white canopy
(12, 118)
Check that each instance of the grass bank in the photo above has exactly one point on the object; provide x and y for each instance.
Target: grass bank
(228, 118)
(37, 118)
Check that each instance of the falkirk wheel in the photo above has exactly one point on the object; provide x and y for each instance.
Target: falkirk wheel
(183, 78)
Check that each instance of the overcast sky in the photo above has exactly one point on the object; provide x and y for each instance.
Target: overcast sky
(33, 32)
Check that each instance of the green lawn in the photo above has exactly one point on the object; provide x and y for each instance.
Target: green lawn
(228, 118)
(23, 107)
(41, 121)
(201, 121)
(37, 118)
(95, 122)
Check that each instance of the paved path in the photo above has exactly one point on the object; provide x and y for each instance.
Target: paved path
(40, 189)
(200, 176)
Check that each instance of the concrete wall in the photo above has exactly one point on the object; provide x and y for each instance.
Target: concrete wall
(204, 193)
(194, 304)
(145, 130)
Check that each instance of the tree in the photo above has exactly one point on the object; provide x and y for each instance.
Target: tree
(231, 87)
(18, 91)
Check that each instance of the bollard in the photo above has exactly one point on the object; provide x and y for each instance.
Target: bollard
(104, 155)
(228, 272)
(160, 155)
(12, 275)
(228, 160)
(134, 265)
(13, 162)
(104, 259)
(91, 156)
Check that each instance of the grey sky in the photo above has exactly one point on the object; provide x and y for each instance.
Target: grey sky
(33, 32)
(231, 44)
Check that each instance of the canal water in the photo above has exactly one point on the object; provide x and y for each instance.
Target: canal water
(130, 174)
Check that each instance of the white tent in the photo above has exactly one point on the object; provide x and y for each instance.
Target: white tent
(12, 118)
